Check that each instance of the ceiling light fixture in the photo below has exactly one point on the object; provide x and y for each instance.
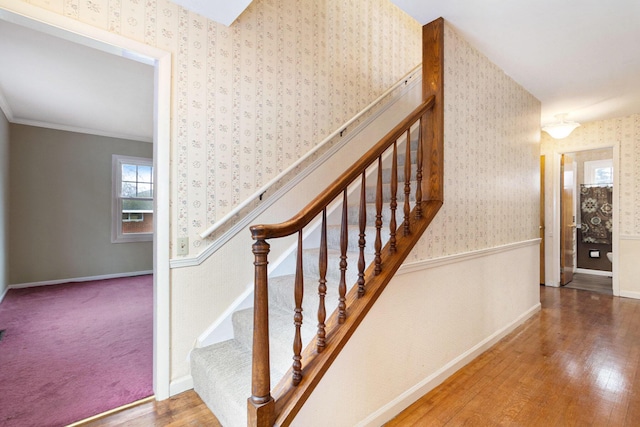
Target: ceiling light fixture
(562, 129)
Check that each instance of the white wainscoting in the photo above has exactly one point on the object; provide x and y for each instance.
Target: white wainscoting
(433, 318)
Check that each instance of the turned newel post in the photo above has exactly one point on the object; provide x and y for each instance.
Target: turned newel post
(260, 405)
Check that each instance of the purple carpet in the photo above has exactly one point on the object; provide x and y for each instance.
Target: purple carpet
(75, 350)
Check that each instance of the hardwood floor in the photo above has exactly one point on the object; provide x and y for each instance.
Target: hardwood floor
(185, 409)
(576, 362)
(591, 282)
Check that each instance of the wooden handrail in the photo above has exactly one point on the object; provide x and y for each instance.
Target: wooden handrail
(262, 190)
(267, 407)
(313, 209)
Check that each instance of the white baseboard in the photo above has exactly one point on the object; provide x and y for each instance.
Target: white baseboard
(180, 385)
(594, 272)
(397, 405)
(3, 294)
(630, 294)
(80, 279)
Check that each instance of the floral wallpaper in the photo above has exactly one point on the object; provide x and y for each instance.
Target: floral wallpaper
(625, 131)
(251, 98)
(491, 138)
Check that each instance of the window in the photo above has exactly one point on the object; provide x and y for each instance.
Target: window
(132, 204)
(598, 172)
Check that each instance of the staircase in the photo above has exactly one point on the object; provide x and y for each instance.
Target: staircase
(287, 336)
(222, 372)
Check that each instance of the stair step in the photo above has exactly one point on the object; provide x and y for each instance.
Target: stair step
(311, 267)
(402, 155)
(281, 334)
(334, 232)
(222, 376)
(371, 189)
(281, 294)
(386, 173)
(354, 210)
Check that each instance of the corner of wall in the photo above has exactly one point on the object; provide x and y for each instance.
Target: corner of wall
(4, 204)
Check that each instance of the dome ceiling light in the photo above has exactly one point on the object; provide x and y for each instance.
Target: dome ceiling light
(562, 129)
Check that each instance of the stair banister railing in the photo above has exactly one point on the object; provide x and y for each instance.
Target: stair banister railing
(261, 398)
(263, 408)
(315, 207)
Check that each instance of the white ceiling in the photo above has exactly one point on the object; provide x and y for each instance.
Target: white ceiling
(579, 57)
(222, 11)
(50, 82)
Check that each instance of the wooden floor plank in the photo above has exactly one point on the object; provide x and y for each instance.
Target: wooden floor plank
(576, 362)
(185, 409)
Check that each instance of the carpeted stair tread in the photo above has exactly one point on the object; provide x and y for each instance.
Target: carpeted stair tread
(354, 210)
(311, 267)
(334, 232)
(371, 190)
(386, 174)
(281, 294)
(281, 333)
(222, 377)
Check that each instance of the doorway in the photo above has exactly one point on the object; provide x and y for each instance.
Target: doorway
(69, 29)
(587, 233)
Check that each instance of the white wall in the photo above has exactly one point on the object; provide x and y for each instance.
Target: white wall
(629, 266)
(60, 212)
(4, 204)
(473, 276)
(426, 325)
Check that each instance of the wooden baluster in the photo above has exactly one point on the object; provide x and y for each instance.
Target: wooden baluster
(297, 317)
(260, 404)
(407, 185)
(344, 238)
(419, 173)
(322, 286)
(378, 242)
(362, 240)
(394, 199)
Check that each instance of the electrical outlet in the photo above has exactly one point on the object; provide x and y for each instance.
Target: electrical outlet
(183, 246)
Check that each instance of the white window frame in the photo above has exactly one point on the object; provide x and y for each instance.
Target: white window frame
(117, 236)
(591, 166)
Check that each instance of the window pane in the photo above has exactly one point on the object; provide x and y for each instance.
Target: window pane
(137, 205)
(144, 174)
(129, 172)
(144, 190)
(129, 189)
(134, 215)
(603, 175)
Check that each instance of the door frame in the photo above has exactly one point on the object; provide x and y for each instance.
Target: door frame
(552, 256)
(61, 26)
